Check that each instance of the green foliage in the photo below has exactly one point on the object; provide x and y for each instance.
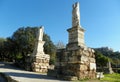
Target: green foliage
(24, 39)
(111, 78)
(2, 40)
(22, 43)
(115, 61)
(2, 50)
(19, 56)
(107, 78)
(49, 48)
(101, 60)
(114, 57)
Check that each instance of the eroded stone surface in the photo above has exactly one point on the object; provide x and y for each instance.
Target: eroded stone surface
(40, 60)
(75, 15)
(76, 61)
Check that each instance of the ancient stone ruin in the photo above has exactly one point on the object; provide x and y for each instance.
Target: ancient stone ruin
(110, 71)
(40, 60)
(76, 61)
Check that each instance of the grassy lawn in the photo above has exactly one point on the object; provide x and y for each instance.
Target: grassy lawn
(108, 78)
(111, 78)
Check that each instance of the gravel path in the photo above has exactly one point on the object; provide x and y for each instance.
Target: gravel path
(25, 76)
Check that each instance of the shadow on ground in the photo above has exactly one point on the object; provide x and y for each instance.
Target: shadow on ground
(9, 65)
(17, 72)
(29, 75)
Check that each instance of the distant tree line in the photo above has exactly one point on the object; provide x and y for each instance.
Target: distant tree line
(22, 43)
(105, 54)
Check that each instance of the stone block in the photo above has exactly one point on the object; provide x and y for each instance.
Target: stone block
(99, 75)
(92, 60)
(84, 58)
(92, 66)
(83, 67)
(36, 69)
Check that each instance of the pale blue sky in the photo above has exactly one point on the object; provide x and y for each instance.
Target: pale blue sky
(100, 19)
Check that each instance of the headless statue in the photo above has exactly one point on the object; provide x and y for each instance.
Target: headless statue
(40, 34)
(75, 15)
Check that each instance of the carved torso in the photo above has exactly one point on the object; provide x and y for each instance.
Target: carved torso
(40, 34)
(75, 15)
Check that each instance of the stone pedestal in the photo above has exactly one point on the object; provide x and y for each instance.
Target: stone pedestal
(76, 37)
(79, 63)
(40, 60)
(76, 61)
(41, 64)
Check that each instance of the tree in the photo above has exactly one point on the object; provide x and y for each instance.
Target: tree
(24, 39)
(49, 48)
(22, 43)
(60, 45)
(2, 41)
(101, 60)
(114, 57)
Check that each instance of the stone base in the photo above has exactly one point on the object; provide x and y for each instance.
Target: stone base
(99, 75)
(76, 64)
(41, 64)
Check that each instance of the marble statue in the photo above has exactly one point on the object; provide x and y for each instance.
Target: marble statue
(75, 15)
(40, 34)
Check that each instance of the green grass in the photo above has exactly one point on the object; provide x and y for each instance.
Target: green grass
(107, 78)
(111, 77)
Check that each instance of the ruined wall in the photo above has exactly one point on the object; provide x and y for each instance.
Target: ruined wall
(77, 64)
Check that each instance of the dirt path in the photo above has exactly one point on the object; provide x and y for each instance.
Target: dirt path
(24, 76)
